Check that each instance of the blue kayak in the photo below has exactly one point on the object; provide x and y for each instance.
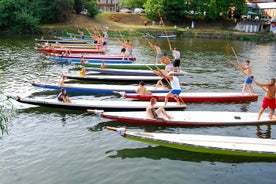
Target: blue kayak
(168, 36)
(97, 88)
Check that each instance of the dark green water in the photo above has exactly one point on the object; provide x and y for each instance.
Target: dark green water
(51, 146)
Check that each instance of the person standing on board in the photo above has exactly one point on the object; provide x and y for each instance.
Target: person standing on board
(151, 112)
(158, 53)
(176, 62)
(129, 50)
(269, 98)
(175, 85)
(81, 34)
(169, 67)
(62, 96)
(247, 70)
(142, 90)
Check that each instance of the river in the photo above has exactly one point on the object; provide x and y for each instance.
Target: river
(50, 146)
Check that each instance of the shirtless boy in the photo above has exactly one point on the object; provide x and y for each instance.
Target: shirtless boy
(269, 98)
(151, 112)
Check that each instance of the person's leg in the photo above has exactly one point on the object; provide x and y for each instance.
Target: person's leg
(244, 88)
(167, 98)
(260, 113)
(271, 114)
(161, 110)
(176, 97)
(251, 90)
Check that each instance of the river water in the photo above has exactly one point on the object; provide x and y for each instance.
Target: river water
(57, 146)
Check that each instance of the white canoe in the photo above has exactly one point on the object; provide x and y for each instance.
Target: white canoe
(114, 105)
(128, 72)
(198, 97)
(192, 118)
(112, 78)
(226, 145)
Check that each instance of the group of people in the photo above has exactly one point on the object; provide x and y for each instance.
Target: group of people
(169, 81)
(269, 88)
(126, 50)
(163, 58)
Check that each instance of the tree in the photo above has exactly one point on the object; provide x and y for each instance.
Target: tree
(78, 6)
(92, 8)
(132, 3)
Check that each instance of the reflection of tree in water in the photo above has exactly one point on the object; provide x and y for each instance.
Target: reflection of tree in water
(6, 111)
(264, 133)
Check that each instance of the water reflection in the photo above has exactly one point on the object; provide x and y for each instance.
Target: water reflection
(264, 131)
(159, 152)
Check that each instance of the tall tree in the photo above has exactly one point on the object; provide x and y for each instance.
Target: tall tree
(78, 6)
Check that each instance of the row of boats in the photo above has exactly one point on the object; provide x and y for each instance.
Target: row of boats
(132, 108)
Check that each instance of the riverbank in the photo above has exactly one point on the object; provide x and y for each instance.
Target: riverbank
(134, 25)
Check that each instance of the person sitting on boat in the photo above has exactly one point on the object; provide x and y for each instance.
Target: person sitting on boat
(61, 81)
(151, 112)
(269, 98)
(142, 90)
(164, 82)
(62, 96)
(103, 65)
(176, 63)
(175, 85)
(82, 72)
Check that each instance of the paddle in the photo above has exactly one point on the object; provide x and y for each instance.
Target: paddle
(163, 25)
(238, 61)
(245, 74)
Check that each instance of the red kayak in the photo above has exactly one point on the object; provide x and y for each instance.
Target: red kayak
(198, 97)
(72, 50)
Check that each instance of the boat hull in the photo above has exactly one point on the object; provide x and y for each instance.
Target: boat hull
(126, 66)
(193, 118)
(223, 145)
(95, 88)
(128, 72)
(112, 78)
(72, 50)
(164, 36)
(99, 61)
(83, 105)
(198, 97)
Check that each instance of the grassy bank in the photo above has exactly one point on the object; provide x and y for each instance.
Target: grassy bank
(133, 24)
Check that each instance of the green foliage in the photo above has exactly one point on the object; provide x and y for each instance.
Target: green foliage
(78, 6)
(152, 7)
(92, 8)
(132, 3)
(27, 15)
(177, 10)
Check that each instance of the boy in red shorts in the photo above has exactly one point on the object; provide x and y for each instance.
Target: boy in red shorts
(269, 98)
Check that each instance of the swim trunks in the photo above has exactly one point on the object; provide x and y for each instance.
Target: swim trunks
(268, 102)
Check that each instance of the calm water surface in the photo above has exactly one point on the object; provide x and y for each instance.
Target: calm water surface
(56, 146)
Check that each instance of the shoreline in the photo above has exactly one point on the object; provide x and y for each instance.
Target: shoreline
(133, 25)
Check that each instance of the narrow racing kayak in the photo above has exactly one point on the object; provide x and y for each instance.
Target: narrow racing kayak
(225, 145)
(191, 118)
